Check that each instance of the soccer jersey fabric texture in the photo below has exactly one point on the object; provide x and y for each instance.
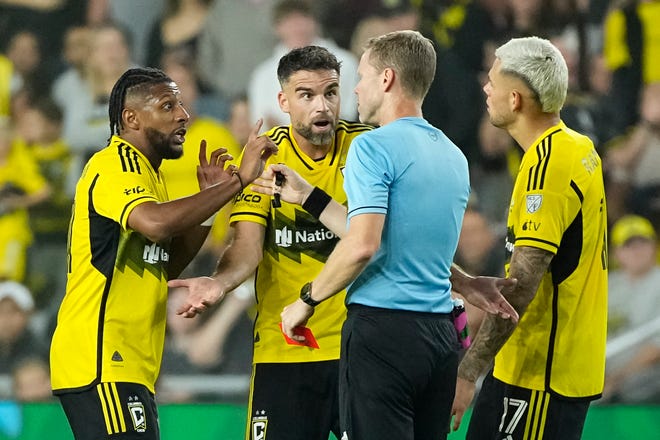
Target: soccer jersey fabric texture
(111, 324)
(558, 205)
(411, 269)
(296, 247)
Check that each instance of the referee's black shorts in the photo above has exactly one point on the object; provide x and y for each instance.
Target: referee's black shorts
(504, 411)
(112, 410)
(397, 374)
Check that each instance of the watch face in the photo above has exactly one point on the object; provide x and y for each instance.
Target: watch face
(306, 295)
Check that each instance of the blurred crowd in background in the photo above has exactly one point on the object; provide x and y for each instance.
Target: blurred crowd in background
(60, 58)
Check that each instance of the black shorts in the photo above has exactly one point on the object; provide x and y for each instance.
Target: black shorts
(504, 411)
(397, 374)
(293, 401)
(112, 410)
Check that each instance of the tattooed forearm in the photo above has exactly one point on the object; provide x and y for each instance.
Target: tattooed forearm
(528, 265)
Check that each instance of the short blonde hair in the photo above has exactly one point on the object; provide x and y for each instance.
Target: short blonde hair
(540, 65)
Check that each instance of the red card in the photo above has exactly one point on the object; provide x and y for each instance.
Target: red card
(310, 340)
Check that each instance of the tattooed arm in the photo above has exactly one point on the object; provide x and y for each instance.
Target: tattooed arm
(528, 265)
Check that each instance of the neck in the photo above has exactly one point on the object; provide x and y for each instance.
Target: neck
(396, 107)
(154, 159)
(527, 130)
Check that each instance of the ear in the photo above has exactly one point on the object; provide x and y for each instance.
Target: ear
(283, 101)
(389, 76)
(130, 119)
(516, 100)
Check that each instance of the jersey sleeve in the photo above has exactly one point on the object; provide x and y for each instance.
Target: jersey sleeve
(546, 210)
(250, 206)
(116, 194)
(368, 176)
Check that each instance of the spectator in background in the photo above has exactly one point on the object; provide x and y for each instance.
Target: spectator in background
(139, 20)
(179, 26)
(85, 107)
(632, 53)
(493, 177)
(479, 247)
(75, 53)
(223, 64)
(295, 26)
(454, 103)
(21, 187)
(29, 70)
(17, 339)
(382, 20)
(39, 132)
(31, 380)
(633, 363)
(47, 20)
(633, 162)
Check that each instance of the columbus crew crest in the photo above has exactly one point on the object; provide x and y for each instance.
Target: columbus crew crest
(534, 202)
(138, 415)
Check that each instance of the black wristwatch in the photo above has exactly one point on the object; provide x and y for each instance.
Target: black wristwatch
(306, 295)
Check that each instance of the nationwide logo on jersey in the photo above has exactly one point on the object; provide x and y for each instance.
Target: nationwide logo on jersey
(303, 235)
(135, 250)
(534, 202)
(138, 415)
(153, 254)
(259, 425)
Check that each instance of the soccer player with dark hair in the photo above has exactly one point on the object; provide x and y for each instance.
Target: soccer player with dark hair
(125, 241)
(293, 394)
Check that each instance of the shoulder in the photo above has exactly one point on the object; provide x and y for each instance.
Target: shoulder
(280, 135)
(352, 127)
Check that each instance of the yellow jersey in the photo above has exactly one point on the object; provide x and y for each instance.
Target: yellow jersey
(558, 205)
(111, 323)
(295, 249)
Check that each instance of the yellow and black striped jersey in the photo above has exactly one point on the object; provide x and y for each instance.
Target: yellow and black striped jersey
(111, 324)
(558, 205)
(295, 249)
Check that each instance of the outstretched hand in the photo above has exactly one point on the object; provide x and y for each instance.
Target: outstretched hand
(255, 154)
(294, 189)
(486, 293)
(203, 292)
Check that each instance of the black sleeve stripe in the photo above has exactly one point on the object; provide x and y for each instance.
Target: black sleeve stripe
(131, 203)
(121, 157)
(546, 161)
(253, 214)
(577, 191)
(137, 163)
(353, 211)
(538, 240)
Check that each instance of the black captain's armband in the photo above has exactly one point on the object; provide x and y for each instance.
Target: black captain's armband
(316, 202)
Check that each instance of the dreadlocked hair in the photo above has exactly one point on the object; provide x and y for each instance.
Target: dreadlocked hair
(140, 77)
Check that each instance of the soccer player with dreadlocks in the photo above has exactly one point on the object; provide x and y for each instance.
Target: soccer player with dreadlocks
(125, 241)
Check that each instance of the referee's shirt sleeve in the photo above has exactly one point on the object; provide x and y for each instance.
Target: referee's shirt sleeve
(367, 177)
